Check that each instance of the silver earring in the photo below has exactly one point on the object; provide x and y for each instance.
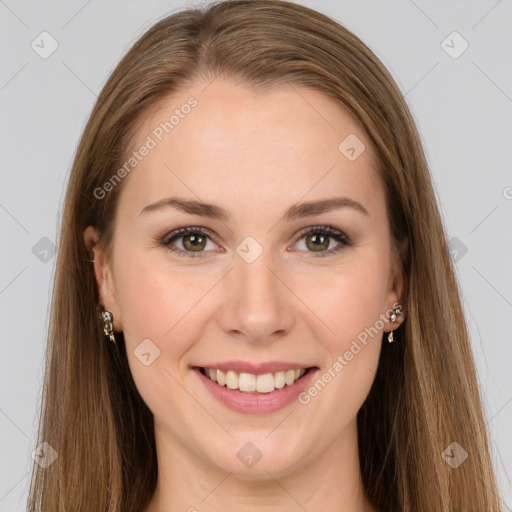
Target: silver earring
(108, 329)
(396, 311)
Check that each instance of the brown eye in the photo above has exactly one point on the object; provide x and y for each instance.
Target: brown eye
(317, 242)
(191, 242)
(194, 243)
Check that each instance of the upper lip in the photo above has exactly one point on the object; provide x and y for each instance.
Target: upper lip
(255, 368)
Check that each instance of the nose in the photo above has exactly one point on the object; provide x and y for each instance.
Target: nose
(257, 301)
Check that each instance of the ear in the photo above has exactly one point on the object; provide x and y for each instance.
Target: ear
(398, 282)
(103, 276)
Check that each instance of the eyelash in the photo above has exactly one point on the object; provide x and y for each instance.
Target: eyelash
(165, 241)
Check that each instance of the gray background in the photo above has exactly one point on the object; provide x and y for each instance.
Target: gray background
(462, 104)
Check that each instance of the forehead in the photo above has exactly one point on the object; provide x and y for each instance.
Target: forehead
(220, 140)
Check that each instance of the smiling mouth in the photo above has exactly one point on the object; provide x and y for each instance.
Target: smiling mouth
(252, 383)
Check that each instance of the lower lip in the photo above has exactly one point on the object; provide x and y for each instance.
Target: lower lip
(257, 403)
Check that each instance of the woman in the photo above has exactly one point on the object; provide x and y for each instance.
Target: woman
(254, 303)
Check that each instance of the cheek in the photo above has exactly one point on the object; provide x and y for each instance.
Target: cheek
(349, 299)
(162, 305)
(156, 298)
(165, 303)
(350, 307)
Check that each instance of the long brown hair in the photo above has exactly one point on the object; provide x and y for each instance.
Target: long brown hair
(425, 394)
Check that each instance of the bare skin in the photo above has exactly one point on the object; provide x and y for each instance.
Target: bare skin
(255, 156)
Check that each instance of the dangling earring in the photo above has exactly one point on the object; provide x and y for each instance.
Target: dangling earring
(396, 311)
(108, 329)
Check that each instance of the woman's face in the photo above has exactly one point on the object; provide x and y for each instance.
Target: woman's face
(251, 288)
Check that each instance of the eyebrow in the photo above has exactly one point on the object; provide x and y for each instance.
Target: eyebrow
(296, 211)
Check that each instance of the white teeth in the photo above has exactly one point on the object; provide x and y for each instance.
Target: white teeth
(279, 380)
(221, 377)
(231, 380)
(247, 382)
(265, 383)
(289, 377)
